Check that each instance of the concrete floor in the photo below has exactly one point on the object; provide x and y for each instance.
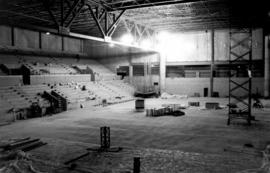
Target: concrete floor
(200, 134)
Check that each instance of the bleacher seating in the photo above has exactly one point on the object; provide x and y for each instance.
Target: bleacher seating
(59, 78)
(2, 73)
(51, 65)
(74, 93)
(22, 97)
(10, 80)
(79, 81)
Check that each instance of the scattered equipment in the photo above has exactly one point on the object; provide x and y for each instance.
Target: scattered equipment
(196, 104)
(105, 142)
(105, 145)
(212, 105)
(173, 111)
(25, 144)
(139, 104)
(136, 165)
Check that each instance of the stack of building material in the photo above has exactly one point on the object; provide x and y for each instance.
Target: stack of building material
(25, 144)
(212, 105)
(164, 112)
(196, 104)
(175, 106)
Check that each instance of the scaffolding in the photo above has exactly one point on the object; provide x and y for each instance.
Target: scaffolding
(240, 63)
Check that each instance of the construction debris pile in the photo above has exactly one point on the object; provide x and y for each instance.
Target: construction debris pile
(265, 167)
(172, 96)
(13, 156)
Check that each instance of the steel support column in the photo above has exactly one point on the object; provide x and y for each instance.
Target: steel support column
(212, 62)
(267, 67)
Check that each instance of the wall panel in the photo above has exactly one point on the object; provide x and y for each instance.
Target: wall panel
(26, 38)
(72, 44)
(5, 35)
(51, 42)
(186, 86)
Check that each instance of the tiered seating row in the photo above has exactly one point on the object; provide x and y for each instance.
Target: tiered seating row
(21, 98)
(121, 86)
(74, 93)
(38, 69)
(51, 79)
(51, 65)
(10, 80)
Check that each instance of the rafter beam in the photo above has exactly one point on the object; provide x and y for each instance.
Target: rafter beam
(132, 4)
(96, 20)
(71, 9)
(75, 15)
(115, 23)
(47, 5)
(139, 31)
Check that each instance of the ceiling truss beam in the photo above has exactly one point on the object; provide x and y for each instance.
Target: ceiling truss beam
(138, 31)
(67, 19)
(106, 21)
(132, 4)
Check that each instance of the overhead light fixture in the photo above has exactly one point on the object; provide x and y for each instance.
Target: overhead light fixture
(127, 38)
(111, 45)
(163, 36)
(48, 33)
(146, 44)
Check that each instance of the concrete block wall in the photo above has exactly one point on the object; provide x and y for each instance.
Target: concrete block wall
(25, 38)
(51, 42)
(186, 86)
(197, 46)
(188, 46)
(222, 44)
(143, 82)
(222, 86)
(73, 45)
(5, 35)
(201, 54)
(189, 86)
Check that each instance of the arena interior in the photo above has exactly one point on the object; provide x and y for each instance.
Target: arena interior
(134, 86)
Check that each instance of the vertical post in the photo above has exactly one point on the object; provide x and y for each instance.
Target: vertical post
(12, 36)
(106, 23)
(250, 78)
(162, 72)
(266, 67)
(130, 68)
(146, 76)
(105, 137)
(136, 165)
(63, 43)
(212, 62)
(40, 40)
(62, 13)
(131, 74)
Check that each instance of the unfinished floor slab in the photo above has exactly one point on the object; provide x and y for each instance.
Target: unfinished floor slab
(191, 143)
